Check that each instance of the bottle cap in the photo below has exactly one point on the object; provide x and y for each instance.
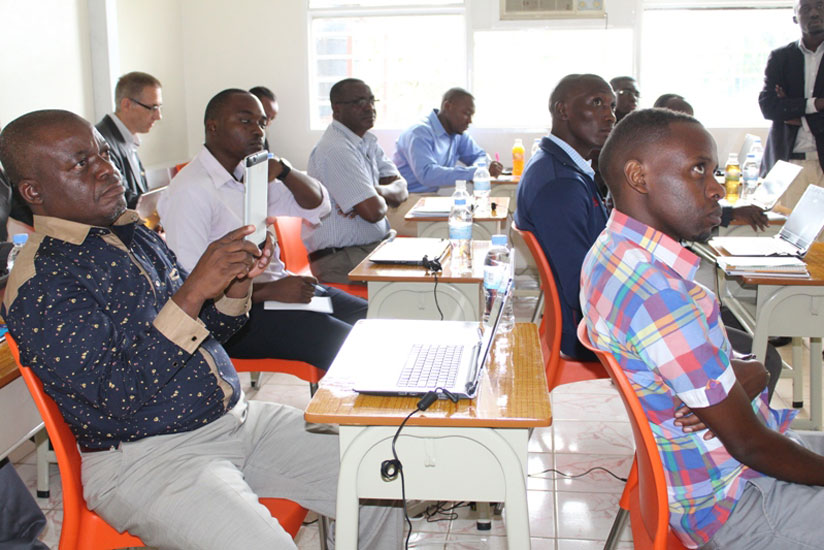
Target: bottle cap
(499, 240)
(20, 238)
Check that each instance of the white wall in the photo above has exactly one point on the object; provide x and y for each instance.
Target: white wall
(46, 62)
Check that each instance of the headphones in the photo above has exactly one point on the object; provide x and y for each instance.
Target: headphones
(390, 469)
(431, 265)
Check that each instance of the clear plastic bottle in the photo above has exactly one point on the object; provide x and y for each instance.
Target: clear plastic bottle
(460, 235)
(497, 272)
(18, 240)
(732, 178)
(518, 157)
(749, 176)
(460, 191)
(536, 146)
(481, 186)
(758, 150)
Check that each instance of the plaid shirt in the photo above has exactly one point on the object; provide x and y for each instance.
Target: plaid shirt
(642, 304)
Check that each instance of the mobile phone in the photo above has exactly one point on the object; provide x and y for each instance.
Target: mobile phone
(256, 194)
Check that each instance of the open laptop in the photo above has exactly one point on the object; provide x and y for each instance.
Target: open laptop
(749, 141)
(409, 251)
(777, 180)
(799, 232)
(409, 358)
(147, 202)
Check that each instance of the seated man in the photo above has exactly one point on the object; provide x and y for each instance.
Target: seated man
(361, 181)
(627, 95)
(128, 345)
(205, 200)
(673, 102)
(427, 154)
(270, 106)
(743, 484)
(557, 198)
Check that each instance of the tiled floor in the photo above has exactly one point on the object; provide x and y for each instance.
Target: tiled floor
(589, 429)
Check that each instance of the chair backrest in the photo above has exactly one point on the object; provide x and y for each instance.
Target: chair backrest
(292, 250)
(652, 482)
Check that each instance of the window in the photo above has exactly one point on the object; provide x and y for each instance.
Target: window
(408, 60)
(715, 58)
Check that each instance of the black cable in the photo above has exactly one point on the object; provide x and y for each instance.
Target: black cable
(435, 267)
(403, 481)
(435, 292)
(573, 476)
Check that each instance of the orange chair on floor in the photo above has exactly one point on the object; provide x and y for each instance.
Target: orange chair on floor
(302, 370)
(559, 370)
(294, 256)
(645, 494)
(83, 529)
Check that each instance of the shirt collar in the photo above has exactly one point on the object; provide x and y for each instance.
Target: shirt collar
(806, 50)
(75, 232)
(583, 164)
(130, 138)
(217, 173)
(435, 122)
(352, 136)
(660, 246)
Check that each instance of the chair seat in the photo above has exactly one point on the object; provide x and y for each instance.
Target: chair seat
(578, 371)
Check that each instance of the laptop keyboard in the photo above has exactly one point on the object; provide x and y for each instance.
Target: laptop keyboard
(431, 366)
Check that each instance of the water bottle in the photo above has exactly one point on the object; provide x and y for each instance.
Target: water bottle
(497, 272)
(749, 175)
(460, 191)
(482, 185)
(18, 240)
(758, 150)
(536, 146)
(460, 235)
(732, 178)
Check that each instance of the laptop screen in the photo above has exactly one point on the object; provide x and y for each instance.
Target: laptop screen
(489, 329)
(806, 220)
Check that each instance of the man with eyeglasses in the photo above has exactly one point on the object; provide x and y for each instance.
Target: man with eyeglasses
(627, 95)
(138, 103)
(361, 180)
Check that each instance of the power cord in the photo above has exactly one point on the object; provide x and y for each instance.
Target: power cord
(391, 469)
(435, 267)
(573, 476)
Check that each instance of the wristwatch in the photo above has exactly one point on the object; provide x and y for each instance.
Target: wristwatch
(285, 169)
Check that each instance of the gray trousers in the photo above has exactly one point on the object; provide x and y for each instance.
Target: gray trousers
(335, 267)
(200, 489)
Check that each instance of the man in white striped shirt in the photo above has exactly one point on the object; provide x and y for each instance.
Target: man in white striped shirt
(361, 181)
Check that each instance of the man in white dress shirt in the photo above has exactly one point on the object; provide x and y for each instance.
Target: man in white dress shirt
(206, 198)
(361, 181)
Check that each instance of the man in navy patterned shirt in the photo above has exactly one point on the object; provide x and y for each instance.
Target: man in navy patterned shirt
(128, 345)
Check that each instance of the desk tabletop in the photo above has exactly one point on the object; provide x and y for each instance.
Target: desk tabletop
(815, 265)
(513, 394)
(8, 367)
(368, 271)
(498, 215)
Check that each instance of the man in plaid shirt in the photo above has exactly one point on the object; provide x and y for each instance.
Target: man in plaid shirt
(735, 479)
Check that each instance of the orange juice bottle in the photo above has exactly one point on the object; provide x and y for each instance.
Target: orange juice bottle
(732, 178)
(518, 158)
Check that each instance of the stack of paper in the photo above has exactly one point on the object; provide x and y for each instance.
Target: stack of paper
(433, 207)
(763, 266)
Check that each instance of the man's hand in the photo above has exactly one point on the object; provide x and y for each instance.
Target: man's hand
(752, 215)
(351, 214)
(495, 168)
(293, 289)
(779, 91)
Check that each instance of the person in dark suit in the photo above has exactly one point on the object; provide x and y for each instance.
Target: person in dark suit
(138, 103)
(793, 98)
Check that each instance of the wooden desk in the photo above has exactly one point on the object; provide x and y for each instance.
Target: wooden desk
(789, 306)
(407, 292)
(484, 223)
(473, 450)
(505, 186)
(21, 420)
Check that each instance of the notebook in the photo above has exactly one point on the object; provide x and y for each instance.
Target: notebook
(394, 362)
(777, 180)
(802, 227)
(409, 251)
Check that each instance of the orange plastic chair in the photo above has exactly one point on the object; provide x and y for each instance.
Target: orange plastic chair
(82, 528)
(645, 494)
(302, 370)
(559, 370)
(294, 255)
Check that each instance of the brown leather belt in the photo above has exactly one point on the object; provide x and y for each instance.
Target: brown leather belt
(84, 449)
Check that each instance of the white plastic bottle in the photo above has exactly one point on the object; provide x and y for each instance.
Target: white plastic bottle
(758, 150)
(536, 145)
(481, 186)
(460, 235)
(497, 272)
(749, 175)
(460, 191)
(18, 240)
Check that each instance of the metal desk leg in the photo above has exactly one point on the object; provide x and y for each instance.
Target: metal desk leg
(798, 374)
(815, 383)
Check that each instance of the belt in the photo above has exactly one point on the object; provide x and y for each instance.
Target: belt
(84, 449)
(812, 155)
(318, 254)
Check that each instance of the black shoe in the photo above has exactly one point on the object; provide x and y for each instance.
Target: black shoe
(778, 341)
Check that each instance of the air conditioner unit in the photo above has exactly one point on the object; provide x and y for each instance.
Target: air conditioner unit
(551, 9)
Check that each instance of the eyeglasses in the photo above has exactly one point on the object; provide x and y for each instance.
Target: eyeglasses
(360, 102)
(634, 93)
(153, 108)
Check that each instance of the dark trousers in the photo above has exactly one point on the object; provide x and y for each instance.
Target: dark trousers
(298, 335)
(21, 520)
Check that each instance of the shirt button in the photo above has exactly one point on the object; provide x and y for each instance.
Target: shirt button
(194, 338)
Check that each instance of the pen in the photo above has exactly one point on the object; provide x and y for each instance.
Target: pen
(317, 287)
(497, 157)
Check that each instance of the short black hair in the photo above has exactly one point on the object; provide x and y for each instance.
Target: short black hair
(566, 85)
(219, 101)
(614, 82)
(455, 93)
(263, 91)
(638, 129)
(336, 93)
(662, 100)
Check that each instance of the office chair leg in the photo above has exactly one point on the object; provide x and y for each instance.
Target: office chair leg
(539, 309)
(323, 532)
(255, 376)
(617, 529)
(41, 442)
(313, 388)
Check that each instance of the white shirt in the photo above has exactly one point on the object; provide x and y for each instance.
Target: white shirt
(350, 167)
(804, 141)
(204, 202)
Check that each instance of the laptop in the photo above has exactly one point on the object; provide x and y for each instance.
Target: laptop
(147, 202)
(409, 251)
(412, 357)
(777, 180)
(799, 232)
(749, 141)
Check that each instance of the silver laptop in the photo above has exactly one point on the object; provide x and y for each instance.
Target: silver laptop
(777, 180)
(410, 358)
(147, 202)
(409, 251)
(799, 232)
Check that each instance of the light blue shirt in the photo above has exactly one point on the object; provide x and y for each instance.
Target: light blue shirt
(427, 156)
(580, 162)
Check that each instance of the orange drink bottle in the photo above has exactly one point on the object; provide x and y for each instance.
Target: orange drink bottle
(518, 158)
(732, 178)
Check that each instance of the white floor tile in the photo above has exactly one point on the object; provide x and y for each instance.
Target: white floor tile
(593, 437)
